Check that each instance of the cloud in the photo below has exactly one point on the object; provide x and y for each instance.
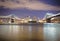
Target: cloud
(28, 4)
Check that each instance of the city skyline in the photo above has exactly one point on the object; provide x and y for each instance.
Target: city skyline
(23, 8)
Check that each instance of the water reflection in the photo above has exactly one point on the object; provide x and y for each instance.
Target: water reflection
(21, 32)
(51, 32)
(40, 32)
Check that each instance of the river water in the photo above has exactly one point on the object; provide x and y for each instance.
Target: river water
(32, 32)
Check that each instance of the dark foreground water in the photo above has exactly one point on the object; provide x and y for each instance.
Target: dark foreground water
(32, 32)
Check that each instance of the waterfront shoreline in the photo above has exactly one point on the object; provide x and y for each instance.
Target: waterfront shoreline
(21, 24)
(26, 23)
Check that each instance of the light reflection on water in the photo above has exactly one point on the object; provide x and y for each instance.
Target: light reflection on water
(40, 32)
(21, 32)
(51, 32)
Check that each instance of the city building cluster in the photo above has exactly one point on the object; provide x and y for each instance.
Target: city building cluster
(49, 18)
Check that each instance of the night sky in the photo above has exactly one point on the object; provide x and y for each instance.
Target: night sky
(23, 8)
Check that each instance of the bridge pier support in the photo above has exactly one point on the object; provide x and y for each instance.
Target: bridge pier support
(48, 20)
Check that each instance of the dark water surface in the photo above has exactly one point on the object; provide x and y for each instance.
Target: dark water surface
(32, 32)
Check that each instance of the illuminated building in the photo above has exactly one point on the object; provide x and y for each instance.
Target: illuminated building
(33, 20)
